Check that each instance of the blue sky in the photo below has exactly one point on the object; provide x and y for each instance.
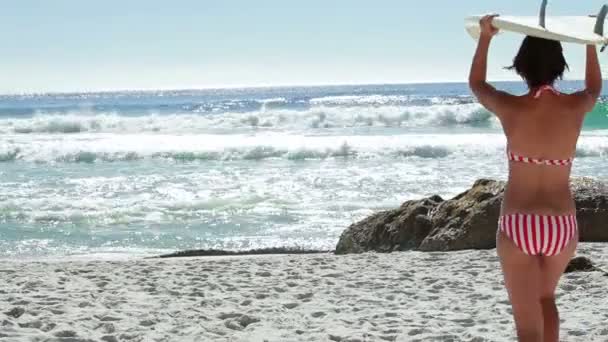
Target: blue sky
(69, 45)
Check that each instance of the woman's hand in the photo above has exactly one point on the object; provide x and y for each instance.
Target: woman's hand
(487, 29)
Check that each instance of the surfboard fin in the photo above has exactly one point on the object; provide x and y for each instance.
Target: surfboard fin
(601, 18)
(599, 24)
(543, 14)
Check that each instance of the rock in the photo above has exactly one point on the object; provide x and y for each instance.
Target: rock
(399, 229)
(468, 221)
(591, 199)
(582, 264)
(16, 312)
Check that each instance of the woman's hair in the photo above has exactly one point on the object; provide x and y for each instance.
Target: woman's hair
(539, 61)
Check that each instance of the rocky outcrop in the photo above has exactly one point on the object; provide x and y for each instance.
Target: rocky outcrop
(400, 229)
(582, 264)
(219, 252)
(468, 221)
(591, 199)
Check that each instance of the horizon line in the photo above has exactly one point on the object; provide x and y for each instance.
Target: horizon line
(244, 87)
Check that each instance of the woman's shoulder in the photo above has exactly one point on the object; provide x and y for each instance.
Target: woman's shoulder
(580, 101)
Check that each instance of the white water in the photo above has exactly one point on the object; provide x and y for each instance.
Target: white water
(145, 173)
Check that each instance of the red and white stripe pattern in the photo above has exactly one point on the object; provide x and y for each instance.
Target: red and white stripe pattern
(544, 235)
(540, 90)
(551, 162)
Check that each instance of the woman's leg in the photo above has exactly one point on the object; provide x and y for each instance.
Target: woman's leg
(522, 275)
(552, 269)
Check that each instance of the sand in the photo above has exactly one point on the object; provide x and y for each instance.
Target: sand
(409, 296)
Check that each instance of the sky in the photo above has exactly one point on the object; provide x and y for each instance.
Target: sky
(75, 45)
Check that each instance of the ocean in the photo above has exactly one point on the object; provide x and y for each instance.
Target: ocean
(149, 172)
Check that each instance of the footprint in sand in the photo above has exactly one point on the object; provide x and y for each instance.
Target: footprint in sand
(147, 323)
(279, 289)
(106, 328)
(335, 338)
(237, 321)
(32, 325)
(290, 305)
(568, 287)
(123, 337)
(580, 281)
(65, 334)
(15, 312)
(467, 322)
(332, 275)
(57, 312)
(106, 318)
(416, 331)
(303, 296)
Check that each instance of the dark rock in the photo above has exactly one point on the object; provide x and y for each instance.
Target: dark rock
(263, 251)
(591, 198)
(582, 264)
(468, 221)
(386, 231)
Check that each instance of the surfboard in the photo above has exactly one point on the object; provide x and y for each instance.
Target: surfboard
(569, 29)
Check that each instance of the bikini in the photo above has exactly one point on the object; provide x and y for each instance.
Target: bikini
(533, 234)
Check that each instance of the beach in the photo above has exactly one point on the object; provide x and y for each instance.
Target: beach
(406, 296)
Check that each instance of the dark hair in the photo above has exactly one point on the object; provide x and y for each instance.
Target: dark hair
(539, 61)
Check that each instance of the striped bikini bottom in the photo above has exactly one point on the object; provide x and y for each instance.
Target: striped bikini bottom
(539, 234)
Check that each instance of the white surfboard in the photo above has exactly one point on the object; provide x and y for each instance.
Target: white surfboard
(570, 29)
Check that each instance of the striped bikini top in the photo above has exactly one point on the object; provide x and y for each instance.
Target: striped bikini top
(549, 88)
(538, 161)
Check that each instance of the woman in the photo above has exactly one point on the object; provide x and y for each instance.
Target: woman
(537, 231)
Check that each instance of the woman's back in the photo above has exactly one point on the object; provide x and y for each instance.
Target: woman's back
(543, 125)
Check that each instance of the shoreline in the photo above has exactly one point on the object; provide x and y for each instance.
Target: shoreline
(188, 253)
(219, 253)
